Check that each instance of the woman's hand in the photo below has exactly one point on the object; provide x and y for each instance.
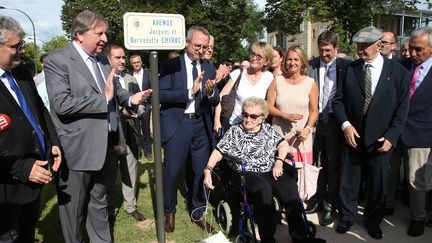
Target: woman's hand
(292, 117)
(303, 134)
(277, 169)
(208, 180)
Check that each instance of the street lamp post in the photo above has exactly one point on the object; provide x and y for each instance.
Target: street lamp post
(34, 34)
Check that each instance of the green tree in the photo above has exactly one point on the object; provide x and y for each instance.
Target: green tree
(231, 22)
(55, 43)
(28, 57)
(348, 16)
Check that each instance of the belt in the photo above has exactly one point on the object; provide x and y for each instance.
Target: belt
(191, 116)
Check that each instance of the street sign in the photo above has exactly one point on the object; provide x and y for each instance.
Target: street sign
(154, 31)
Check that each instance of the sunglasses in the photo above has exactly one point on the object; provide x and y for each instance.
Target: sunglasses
(17, 47)
(252, 116)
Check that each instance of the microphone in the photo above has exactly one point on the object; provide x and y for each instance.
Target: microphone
(5, 122)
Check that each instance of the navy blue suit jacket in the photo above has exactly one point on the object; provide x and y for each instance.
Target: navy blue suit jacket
(19, 146)
(173, 96)
(418, 127)
(388, 109)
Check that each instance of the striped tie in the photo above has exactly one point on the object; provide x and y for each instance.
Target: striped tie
(368, 87)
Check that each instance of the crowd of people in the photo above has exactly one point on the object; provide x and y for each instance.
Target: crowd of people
(360, 121)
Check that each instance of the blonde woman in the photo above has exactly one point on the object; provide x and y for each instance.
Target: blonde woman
(254, 81)
(293, 103)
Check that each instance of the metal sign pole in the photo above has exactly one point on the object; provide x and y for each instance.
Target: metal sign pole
(160, 217)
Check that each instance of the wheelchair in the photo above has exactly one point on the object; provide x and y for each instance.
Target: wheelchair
(230, 197)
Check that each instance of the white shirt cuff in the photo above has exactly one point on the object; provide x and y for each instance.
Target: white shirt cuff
(345, 124)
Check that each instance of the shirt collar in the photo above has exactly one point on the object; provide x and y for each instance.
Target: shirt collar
(323, 64)
(84, 55)
(139, 72)
(426, 65)
(377, 62)
(188, 61)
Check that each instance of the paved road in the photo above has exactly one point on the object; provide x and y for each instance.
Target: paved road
(394, 230)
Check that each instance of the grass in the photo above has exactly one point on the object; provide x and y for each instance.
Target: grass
(126, 228)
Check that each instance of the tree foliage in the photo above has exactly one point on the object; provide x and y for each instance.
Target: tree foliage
(348, 16)
(231, 22)
(55, 43)
(28, 57)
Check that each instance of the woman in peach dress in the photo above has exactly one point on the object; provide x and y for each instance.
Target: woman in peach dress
(293, 103)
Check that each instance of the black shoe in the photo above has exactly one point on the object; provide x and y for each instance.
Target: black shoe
(343, 226)
(429, 223)
(416, 228)
(389, 210)
(374, 231)
(149, 157)
(327, 217)
(308, 240)
(312, 207)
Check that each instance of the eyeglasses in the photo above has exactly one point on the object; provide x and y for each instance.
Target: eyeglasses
(252, 116)
(199, 47)
(387, 43)
(17, 47)
(256, 56)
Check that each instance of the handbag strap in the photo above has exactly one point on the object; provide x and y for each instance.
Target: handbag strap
(237, 82)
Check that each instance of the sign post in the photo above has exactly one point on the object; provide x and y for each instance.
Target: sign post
(153, 31)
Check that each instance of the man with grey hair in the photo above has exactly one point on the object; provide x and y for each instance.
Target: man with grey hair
(371, 107)
(417, 135)
(84, 105)
(187, 98)
(28, 140)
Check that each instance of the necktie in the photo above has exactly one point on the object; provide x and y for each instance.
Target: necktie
(112, 112)
(99, 78)
(198, 95)
(27, 112)
(368, 87)
(414, 80)
(326, 92)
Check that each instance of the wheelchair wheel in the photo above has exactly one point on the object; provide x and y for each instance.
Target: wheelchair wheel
(224, 217)
(311, 229)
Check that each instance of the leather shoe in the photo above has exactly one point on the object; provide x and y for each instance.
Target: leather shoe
(169, 222)
(137, 215)
(416, 228)
(343, 226)
(327, 217)
(374, 231)
(312, 208)
(204, 225)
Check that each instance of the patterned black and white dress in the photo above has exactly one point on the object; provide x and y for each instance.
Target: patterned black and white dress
(256, 149)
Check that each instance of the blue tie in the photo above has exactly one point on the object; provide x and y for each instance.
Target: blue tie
(26, 109)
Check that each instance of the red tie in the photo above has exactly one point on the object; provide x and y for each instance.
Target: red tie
(414, 80)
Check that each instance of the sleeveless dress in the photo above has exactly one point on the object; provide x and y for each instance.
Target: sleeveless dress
(294, 98)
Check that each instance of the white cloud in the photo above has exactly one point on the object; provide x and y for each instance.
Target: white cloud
(44, 13)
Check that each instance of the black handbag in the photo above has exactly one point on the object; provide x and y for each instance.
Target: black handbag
(228, 100)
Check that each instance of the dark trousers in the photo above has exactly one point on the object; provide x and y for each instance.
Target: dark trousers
(260, 189)
(189, 142)
(376, 165)
(142, 125)
(17, 223)
(326, 149)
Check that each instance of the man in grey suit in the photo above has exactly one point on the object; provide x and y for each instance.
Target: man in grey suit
(128, 162)
(83, 101)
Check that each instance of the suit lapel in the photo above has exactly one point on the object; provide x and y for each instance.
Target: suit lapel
(183, 71)
(8, 95)
(359, 73)
(79, 64)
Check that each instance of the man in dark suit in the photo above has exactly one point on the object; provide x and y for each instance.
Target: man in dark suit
(327, 70)
(81, 92)
(389, 45)
(28, 140)
(187, 95)
(129, 162)
(142, 124)
(371, 106)
(417, 135)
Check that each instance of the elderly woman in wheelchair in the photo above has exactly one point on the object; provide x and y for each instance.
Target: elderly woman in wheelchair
(257, 143)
